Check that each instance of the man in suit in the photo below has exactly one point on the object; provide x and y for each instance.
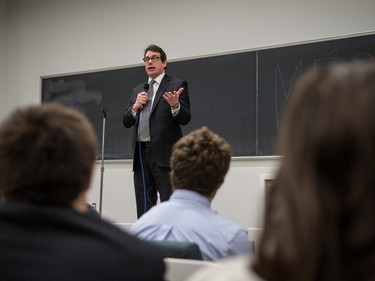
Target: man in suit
(157, 120)
(47, 232)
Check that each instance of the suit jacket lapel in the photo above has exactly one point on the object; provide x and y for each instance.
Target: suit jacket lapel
(161, 90)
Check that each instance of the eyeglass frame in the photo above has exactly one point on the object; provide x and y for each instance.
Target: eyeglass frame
(153, 59)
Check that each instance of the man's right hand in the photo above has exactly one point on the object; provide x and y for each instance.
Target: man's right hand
(141, 101)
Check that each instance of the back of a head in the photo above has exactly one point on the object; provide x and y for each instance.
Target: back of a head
(47, 154)
(320, 211)
(200, 161)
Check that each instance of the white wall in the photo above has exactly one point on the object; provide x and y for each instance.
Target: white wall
(48, 37)
(3, 41)
(238, 199)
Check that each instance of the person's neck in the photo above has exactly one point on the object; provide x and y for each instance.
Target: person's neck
(157, 77)
(212, 196)
(79, 204)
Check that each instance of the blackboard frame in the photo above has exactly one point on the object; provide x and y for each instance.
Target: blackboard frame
(231, 93)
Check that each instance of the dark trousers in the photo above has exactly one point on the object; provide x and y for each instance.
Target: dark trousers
(149, 179)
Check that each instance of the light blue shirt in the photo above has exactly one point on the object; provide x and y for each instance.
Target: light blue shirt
(188, 216)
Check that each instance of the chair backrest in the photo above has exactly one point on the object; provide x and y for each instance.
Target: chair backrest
(254, 235)
(180, 269)
(178, 249)
(124, 225)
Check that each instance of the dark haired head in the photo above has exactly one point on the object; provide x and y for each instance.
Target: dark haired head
(155, 48)
(47, 154)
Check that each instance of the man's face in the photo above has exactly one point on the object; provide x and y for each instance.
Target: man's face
(154, 68)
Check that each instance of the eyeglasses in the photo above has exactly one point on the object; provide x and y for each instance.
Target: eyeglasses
(153, 59)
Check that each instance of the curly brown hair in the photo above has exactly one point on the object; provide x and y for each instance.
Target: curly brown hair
(200, 161)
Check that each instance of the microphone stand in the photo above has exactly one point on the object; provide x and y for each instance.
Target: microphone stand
(102, 168)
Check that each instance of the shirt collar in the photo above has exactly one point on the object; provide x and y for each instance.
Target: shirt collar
(157, 79)
(190, 195)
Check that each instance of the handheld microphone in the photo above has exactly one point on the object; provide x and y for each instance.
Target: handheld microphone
(145, 87)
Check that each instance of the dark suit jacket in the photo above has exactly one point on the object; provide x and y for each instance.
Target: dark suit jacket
(45, 243)
(165, 129)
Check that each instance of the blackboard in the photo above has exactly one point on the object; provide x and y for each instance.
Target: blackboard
(240, 96)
